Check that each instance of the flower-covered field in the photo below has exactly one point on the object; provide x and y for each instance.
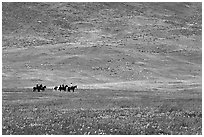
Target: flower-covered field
(60, 113)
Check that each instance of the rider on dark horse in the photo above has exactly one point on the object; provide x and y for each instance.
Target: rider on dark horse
(63, 87)
(60, 87)
(40, 86)
(71, 87)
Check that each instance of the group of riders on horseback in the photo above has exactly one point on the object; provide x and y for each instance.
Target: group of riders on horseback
(65, 87)
(38, 88)
(61, 87)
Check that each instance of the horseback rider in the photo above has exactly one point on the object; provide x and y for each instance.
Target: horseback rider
(60, 88)
(71, 85)
(41, 86)
(63, 87)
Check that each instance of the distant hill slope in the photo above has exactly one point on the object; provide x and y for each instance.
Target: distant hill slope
(101, 42)
(31, 24)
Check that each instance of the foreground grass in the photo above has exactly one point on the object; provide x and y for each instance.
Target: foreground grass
(107, 112)
(44, 120)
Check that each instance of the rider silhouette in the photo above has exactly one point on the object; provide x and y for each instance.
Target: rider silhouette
(41, 86)
(60, 87)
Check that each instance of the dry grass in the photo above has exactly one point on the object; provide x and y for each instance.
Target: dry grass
(62, 115)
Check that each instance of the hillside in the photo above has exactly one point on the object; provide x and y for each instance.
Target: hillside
(156, 46)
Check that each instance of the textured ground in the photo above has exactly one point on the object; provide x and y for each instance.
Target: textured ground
(101, 111)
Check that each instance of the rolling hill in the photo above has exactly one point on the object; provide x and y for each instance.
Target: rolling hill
(156, 46)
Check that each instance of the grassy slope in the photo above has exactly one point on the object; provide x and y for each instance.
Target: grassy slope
(89, 43)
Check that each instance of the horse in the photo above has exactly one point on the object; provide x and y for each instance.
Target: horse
(55, 88)
(72, 88)
(60, 88)
(43, 88)
(39, 88)
(34, 88)
(65, 87)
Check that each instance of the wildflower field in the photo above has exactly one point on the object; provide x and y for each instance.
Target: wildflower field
(101, 111)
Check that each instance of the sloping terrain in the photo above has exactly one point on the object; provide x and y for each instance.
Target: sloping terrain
(153, 46)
